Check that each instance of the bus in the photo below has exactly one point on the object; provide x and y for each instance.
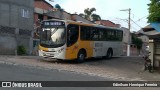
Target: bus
(71, 40)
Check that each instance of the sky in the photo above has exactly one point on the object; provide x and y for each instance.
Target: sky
(110, 10)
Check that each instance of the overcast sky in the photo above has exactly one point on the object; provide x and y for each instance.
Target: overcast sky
(110, 10)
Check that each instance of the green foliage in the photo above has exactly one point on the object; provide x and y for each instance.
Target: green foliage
(138, 42)
(154, 11)
(21, 50)
(89, 15)
(95, 17)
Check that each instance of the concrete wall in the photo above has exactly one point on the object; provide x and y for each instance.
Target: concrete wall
(15, 25)
(8, 47)
(11, 13)
(9, 43)
(125, 35)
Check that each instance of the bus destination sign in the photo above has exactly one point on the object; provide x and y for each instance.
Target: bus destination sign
(54, 23)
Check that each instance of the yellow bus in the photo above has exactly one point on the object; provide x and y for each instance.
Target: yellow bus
(71, 40)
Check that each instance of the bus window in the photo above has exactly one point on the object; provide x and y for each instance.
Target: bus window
(120, 35)
(109, 34)
(102, 36)
(105, 33)
(94, 34)
(85, 33)
(72, 34)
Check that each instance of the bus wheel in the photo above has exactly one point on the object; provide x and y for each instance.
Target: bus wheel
(109, 54)
(81, 56)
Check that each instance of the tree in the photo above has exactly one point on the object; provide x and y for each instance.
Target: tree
(154, 11)
(89, 15)
(95, 17)
(138, 42)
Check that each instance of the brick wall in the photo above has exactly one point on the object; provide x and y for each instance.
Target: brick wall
(43, 5)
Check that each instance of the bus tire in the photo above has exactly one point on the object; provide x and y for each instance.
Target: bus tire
(81, 56)
(109, 54)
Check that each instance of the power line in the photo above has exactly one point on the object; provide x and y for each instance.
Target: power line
(141, 18)
(136, 23)
(134, 15)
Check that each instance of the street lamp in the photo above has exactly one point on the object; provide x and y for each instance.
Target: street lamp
(129, 27)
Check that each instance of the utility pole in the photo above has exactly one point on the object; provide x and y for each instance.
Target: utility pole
(129, 27)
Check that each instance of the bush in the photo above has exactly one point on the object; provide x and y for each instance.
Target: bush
(21, 50)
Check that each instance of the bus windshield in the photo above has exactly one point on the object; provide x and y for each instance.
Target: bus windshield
(53, 37)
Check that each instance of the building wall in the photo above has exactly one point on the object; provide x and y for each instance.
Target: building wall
(126, 38)
(43, 5)
(125, 35)
(145, 41)
(16, 25)
(9, 46)
(144, 38)
(11, 13)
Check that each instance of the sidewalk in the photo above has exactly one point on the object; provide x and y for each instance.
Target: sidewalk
(135, 67)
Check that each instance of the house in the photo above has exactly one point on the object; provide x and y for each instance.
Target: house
(76, 17)
(145, 39)
(153, 32)
(128, 40)
(16, 25)
(41, 8)
(107, 23)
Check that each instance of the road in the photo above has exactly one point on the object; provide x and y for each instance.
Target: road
(23, 73)
(13, 72)
(35, 69)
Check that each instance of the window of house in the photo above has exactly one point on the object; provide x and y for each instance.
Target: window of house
(25, 13)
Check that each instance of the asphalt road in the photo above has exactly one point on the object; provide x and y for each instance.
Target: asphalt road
(23, 73)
